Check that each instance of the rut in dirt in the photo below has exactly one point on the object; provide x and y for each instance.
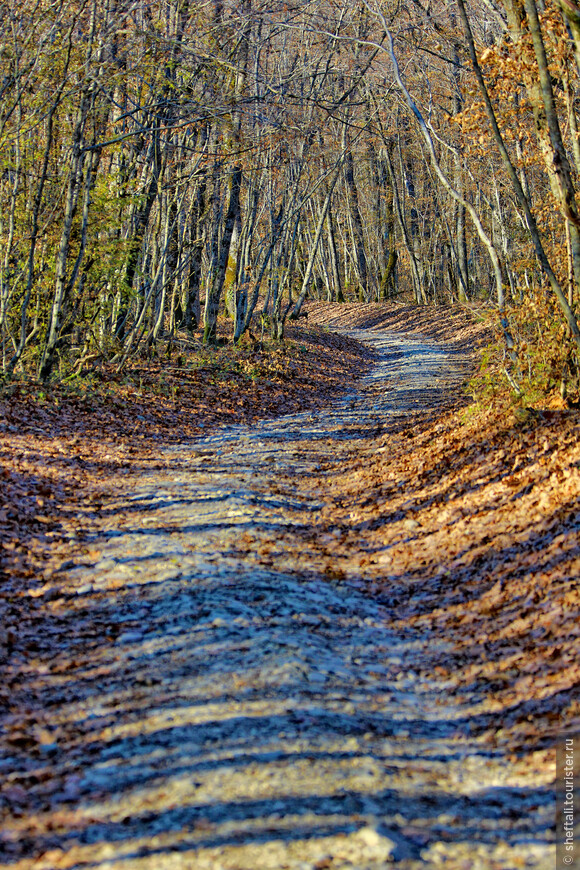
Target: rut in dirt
(225, 701)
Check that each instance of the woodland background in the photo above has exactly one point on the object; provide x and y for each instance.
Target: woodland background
(160, 160)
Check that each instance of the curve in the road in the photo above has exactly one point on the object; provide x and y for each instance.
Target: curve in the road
(232, 715)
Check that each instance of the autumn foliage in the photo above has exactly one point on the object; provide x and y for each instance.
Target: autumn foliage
(247, 156)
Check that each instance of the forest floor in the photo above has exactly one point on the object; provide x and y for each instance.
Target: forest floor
(65, 444)
(467, 524)
(455, 528)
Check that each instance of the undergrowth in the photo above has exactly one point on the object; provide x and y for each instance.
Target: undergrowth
(532, 359)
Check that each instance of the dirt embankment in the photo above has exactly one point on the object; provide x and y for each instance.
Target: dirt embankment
(461, 328)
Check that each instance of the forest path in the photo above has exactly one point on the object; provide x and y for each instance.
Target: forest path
(231, 702)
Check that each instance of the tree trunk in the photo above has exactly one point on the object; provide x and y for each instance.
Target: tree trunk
(357, 226)
(314, 248)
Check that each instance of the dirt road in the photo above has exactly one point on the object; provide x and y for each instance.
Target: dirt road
(231, 701)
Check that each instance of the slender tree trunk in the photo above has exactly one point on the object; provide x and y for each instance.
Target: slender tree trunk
(71, 202)
(355, 215)
(314, 248)
(192, 306)
(337, 294)
(234, 184)
(217, 283)
(438, 171)
(37, 205)
(403, 226)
